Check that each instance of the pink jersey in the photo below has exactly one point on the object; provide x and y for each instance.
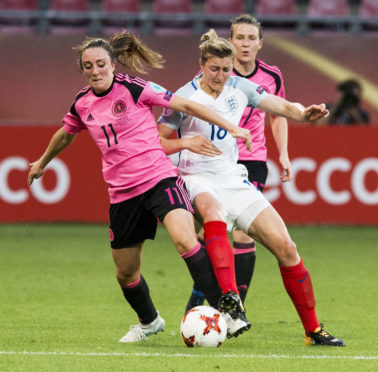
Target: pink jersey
(123, 126)
(269, 78)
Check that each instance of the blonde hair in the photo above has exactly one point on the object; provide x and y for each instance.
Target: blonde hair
(214, 46)
(126, 49)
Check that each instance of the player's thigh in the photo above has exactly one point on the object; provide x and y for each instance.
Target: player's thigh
(167, 195)
(180, 226)
(238, 194)
(128, 262)
(169, 200)
(208, 207)
(130, 223)
(269, 229)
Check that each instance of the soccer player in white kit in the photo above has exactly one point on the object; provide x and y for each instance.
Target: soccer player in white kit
(116, 109)
(246, 36)
(219, 188)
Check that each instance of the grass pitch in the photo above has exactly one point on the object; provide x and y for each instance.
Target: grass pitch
(61, 308)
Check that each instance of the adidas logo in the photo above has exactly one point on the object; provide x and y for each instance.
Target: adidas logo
(90, 117)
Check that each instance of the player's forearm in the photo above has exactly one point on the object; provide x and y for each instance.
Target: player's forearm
(171, 146)
(59, 141)
(201, 112)
(280, 134)
(281, 107)
(293, 111)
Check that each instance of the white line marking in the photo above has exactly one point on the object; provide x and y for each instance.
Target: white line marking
(180, 355)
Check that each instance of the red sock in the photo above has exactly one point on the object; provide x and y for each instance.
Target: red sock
(297, 282)
(220, 252)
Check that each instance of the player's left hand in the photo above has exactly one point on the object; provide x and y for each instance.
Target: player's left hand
(286, 173)
(202, 145)
(315, 112)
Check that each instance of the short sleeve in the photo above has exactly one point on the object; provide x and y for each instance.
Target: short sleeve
(255, 93)
(73, 124)
(171, 118)
(281, 90)
(155, 95)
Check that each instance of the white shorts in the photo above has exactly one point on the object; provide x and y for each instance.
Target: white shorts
(241, 201)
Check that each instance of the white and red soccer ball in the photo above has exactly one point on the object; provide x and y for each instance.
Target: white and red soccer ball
(203, 326)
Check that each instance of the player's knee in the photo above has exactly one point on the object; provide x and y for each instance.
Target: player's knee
(125, 277)
(211, 213)
(185, 243)
(288, 254)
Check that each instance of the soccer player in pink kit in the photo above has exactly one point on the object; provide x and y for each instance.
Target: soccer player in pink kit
(246, 36)
(142, 181)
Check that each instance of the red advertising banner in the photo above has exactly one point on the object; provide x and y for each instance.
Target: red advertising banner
(335, 177)
(72, 188)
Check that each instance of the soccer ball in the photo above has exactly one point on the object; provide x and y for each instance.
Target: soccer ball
(203, 326)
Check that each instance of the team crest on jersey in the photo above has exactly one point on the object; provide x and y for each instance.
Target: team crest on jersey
(232, 103)
(119, 108)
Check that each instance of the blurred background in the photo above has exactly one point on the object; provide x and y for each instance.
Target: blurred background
(317, 44)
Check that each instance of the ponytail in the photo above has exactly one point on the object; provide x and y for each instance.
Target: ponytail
(126, 49)
(214, 46)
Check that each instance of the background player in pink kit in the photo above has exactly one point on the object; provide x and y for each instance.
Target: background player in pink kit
(246, 37)
(142, 181)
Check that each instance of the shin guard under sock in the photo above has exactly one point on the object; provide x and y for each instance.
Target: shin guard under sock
(137, 295)
(245, 258)
(202, 273)
(220, 252)
(297, 282)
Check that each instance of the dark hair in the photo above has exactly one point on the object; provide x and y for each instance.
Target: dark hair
(126, 49)
(247, 19)
(348, 86)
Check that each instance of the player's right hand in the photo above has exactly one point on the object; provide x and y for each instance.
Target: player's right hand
(245, 135)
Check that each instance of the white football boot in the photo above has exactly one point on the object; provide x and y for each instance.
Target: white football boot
(141, 331)
(233, 312)
(235, 327)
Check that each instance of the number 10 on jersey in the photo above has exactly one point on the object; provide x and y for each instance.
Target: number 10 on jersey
(220, 133)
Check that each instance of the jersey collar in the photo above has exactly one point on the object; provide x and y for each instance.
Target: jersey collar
(257, 64)
(106, 92)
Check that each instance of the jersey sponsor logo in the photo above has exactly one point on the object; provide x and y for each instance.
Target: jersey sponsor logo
(260, 90)
(232, 103)
(168, 95)
(119, 108)
(90, 117)
(156, 87)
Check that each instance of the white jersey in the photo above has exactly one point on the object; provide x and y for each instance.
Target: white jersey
(236, 95)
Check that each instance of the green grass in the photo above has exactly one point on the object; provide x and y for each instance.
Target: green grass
(61, 308)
